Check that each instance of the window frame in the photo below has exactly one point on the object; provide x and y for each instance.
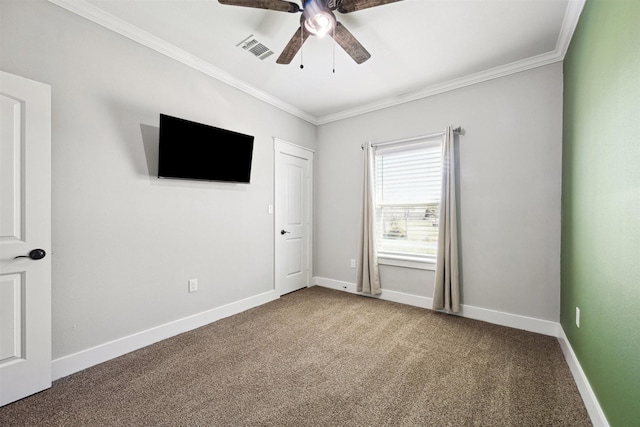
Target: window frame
(398, 258)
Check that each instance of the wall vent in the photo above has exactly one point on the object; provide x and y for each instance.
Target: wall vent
(250, 44)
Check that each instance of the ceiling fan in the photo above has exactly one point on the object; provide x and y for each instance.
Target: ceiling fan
(317, 19)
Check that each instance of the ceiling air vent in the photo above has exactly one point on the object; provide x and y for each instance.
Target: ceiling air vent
(250, 44)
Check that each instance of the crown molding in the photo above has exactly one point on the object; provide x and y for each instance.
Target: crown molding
(100, 17)
(569, 24)
(493, 73)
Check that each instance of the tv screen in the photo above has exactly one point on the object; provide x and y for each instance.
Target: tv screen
(191, 150)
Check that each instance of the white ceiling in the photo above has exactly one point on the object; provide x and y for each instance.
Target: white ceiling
(418, 47)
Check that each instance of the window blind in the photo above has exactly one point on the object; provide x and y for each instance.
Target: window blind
(408, 184)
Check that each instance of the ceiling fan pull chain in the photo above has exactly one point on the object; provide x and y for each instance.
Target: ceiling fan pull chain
(334, 49)
(301, 46)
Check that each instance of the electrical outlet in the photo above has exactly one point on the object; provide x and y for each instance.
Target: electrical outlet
(578, 317)
(353, 263)
(193, 285)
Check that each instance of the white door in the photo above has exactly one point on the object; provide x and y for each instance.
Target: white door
(25, 227)
(293, 185)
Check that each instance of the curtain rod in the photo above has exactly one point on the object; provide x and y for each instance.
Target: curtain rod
(415, 138)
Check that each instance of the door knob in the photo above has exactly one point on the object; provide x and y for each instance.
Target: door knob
(283, 232)
(34, 254)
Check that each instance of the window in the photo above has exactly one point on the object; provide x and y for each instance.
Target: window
(408, 179)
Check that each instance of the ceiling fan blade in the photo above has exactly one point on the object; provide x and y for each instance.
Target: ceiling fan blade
(348, 6)
(350, 44)
(293, 46)
(280, 6)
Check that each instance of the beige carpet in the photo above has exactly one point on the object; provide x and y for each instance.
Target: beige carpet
(319, 357)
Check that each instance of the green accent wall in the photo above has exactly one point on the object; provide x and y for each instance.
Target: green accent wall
(601, 204)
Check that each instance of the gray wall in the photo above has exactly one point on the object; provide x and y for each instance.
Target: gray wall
(510, 184)
(124, 242)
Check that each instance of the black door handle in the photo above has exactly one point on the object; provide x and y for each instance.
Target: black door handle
(283, 232)
(34, 254)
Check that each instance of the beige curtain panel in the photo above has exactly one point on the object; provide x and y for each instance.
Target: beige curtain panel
(446, 290)
(368, 274)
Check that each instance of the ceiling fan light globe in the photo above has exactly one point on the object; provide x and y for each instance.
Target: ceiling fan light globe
(319, 24)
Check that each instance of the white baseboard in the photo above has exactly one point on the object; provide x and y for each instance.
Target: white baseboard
(395, 296)
(516, 321)
(596, 414)
(334, 284)
(84, 359)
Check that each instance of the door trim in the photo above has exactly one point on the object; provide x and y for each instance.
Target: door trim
(282, 146)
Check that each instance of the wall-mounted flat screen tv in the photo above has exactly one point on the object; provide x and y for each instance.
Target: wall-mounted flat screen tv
(191, 150)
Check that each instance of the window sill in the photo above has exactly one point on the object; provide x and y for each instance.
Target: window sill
(407, 262)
